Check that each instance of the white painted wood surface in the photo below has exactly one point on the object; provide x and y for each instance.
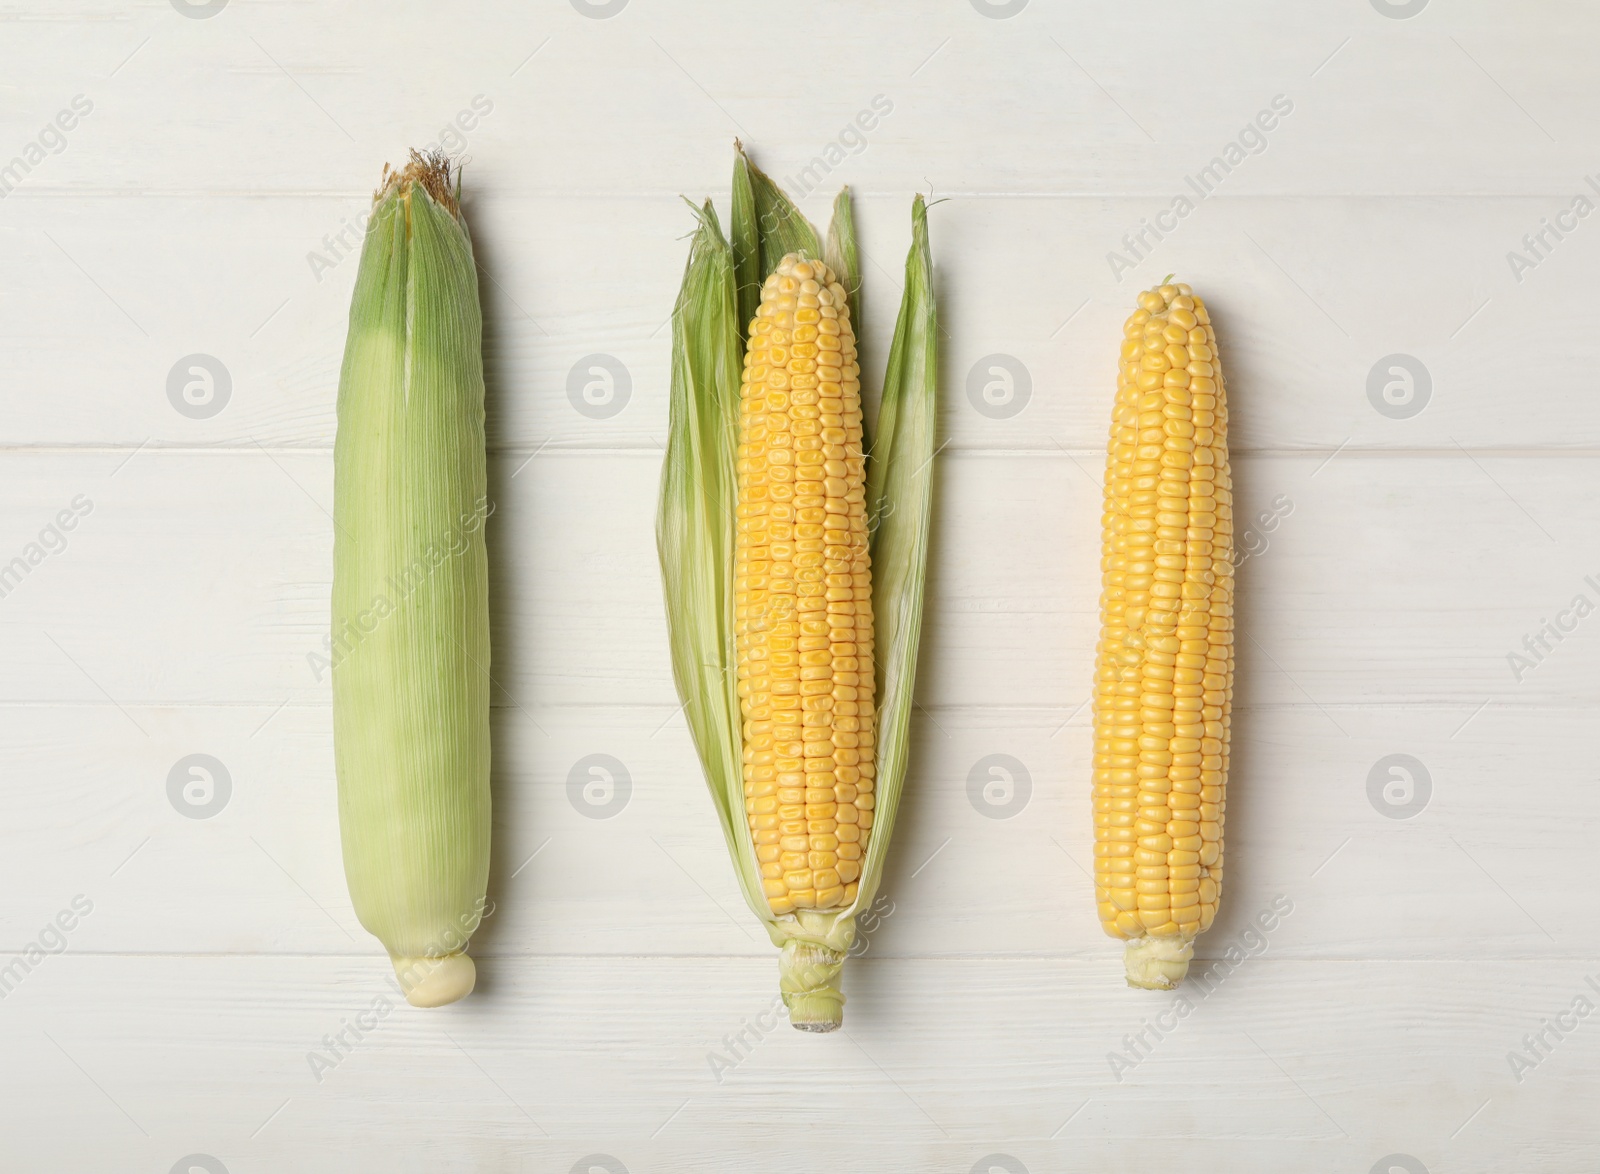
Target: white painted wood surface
(1373, 1021)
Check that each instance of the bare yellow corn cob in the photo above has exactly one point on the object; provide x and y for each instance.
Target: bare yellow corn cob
(1164, 670)
(803, 595)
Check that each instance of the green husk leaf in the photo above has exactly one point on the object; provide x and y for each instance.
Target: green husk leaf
(842, 255)
(900, 510)
(694, 528)
(744, 234)
(766, 227)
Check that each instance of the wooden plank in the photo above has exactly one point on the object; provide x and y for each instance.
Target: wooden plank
(1310, 293)
(203, 578)
(606, 842)
(1049, 101)
(947, 1061)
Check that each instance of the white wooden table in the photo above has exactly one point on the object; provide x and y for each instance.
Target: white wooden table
(1443, 910)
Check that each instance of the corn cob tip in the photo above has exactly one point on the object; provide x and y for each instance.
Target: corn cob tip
(831, 1023)
(1158, 964)
(808, 975)
(431, 170)
(435, 982)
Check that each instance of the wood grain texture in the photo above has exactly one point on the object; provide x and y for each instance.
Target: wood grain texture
(947, 1061)
(1402, 572)
(1310, 292)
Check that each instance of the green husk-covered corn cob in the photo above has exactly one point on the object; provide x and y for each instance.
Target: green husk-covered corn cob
(410, 587)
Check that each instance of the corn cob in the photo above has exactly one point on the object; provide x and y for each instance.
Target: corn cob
(780, 542)
(410, 588)
(803, 595)
(1164, 670)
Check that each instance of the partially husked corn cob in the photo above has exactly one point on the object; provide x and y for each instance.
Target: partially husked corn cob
(794, 562)
(803, 593)
(1164, 669)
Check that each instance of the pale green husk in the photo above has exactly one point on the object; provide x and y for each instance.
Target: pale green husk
(695, 534)
(410, 588)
